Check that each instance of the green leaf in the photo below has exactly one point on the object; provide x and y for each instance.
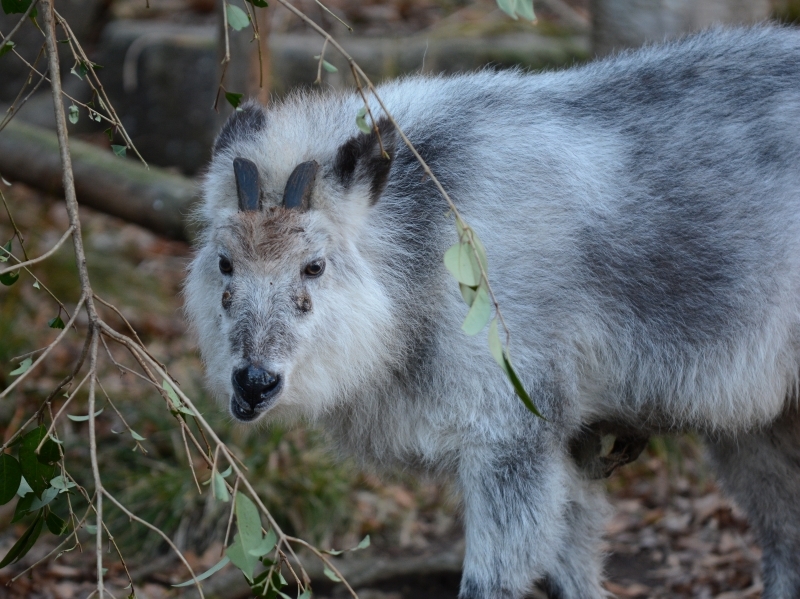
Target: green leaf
(496, 346)
(36, 286)
(468, 293)
(461, 262)
(248, 522)
(173, 397)
(361, 120)
(109, 133)
(212, 570)
(38, 469)
(266, 545)
(520, 390)
(91, 528)
(73, 114)
(23, 367)
(331, 574)
(305, 595)
(234, 99)
(119, 150)
(62, 484)
(137, 436)
(55, 524)
(6, 47)
(479, 314)
(328, 66)
(509, 7)
(56, 323)
(237, 18)
(24, 487)
(9, 278)
(259, 3)
(241, 558)
(84, 418)
(220, 489)
(10, 478)
(47, 496)
(525, 10)
(227, 472)
(25, 542)
(364, 543)
(12, 7)
(23, 506)
(4, 255)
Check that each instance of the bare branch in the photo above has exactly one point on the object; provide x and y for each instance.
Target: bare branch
(41, 258)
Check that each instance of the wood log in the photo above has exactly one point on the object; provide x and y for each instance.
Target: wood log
(152, 197)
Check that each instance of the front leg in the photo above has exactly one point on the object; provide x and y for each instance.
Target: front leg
(527, 514)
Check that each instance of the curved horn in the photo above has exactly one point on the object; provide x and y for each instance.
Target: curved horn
(297, 193)
(247, 184)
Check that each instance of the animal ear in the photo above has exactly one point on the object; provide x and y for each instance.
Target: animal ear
(361, 161)
(242, 124)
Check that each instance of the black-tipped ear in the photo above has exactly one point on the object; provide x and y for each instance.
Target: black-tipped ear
(242, 124)
(248, 186)
(360, 160)
(297, 193)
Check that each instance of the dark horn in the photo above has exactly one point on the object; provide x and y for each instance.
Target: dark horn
(247, 184)
(297, 193)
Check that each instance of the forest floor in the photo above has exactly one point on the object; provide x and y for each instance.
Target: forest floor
(672, 534)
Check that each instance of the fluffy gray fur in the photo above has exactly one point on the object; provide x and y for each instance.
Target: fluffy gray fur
(642, 220)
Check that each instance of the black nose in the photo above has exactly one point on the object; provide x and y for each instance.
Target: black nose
(254, 387)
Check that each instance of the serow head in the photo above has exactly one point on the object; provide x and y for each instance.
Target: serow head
(283, 293)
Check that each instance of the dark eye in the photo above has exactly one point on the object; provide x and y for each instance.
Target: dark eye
(225, 266)
(315, 268)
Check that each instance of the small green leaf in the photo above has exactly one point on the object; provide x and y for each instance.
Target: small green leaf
(479, 314)
(212, 570)
(237, 18)
(220, 489)
(56, 323)
(109, 133)
(119, 150)
(23, 506)
(520, 389)
(173, 397)
(331, 574)
(23, 367)
(248, 521)
(62, 484)
(18, 7)
(509, 7)
(137, 436)
(461, 262)
(305, 595)
(361, 120)
(468, 293)
(525, 10)
(24, 488)
(234, 99)
(496, 346)
(227, 472)
(329, 67)
(266, 545)
(36, 286)
(364, 543)
(10, 477)
(9, 278)
(6, 47)
(25, 542)
(6, 253)
(55, 524)
(73, 114)
(91, 528)
(241, 558)
(39, 469)
(47, 496)
(84, 418)
(259, 3)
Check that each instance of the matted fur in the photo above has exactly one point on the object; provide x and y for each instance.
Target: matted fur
(642, 220)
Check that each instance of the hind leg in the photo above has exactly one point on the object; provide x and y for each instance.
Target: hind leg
(761, 471)
(579, 563)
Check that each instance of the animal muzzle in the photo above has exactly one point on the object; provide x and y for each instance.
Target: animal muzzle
(254, 390)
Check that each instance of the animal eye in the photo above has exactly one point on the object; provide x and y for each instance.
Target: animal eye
(315, 268)
(225, 266)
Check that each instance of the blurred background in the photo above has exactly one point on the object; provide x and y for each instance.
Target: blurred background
(673, 535)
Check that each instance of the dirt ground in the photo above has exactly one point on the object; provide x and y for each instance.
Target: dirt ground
(672, 534)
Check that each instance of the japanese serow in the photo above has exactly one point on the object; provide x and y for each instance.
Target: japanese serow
(642, 220)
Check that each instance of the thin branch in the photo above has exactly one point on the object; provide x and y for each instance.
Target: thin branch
(61, 410)
(13, 110)
(41, 258)
(21, 21)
